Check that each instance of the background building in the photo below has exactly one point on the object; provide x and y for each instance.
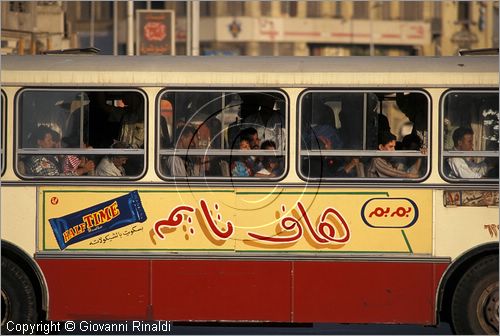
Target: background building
(301, 28)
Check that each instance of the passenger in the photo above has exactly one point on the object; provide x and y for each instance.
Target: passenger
(465, 167)
(75, 163)
(349, 168)
(251, 136)
(239, 168)
(112, 165)
(269, 166)
(166, 123)
(268, 122)
(382, 167)
(209, 133)
(324, 134)
(50, 165)
(182, 165)
(132, 123)
(411, 142)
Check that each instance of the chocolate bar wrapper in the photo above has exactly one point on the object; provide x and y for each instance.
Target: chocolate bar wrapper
(98, 219)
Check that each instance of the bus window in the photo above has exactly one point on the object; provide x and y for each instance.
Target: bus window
(76, 133)
(221, 134)
(352, 135)
(3, 129)
(470, 135)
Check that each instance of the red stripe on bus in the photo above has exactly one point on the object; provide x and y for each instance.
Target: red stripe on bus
(280, 291)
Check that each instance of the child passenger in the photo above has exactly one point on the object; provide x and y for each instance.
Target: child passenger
(239, 168)
(268, 166)
(382, 167)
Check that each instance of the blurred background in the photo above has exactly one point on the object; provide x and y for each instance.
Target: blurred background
(279, 28)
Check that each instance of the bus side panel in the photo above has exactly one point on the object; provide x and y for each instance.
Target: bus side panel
(85, 289)
(366, 292)
(221, 290)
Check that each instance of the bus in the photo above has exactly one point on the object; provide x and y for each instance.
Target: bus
(266, 189)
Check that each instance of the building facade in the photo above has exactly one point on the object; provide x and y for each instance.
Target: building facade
(301, 28)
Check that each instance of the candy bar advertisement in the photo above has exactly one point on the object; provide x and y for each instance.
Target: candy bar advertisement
(98, 219)
(223, 220)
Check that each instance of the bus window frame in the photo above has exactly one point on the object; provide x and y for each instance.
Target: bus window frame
(3, 132)
(443, 154)
(93, 151)
(364, 153)
(231, 152)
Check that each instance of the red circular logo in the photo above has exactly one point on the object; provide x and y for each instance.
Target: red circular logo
(54, 200)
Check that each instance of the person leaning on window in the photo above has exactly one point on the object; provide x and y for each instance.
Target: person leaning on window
(50, 165)
(113, 165)
(381, 167)
(465, 167)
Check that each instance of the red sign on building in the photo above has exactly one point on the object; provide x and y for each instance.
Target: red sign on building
(155, 32)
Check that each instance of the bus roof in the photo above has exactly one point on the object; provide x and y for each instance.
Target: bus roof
(247, 71)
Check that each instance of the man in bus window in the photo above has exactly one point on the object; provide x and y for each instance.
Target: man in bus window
(50, 165)
(382, 167)
(465, 167)
(113, 165)
(268, 121)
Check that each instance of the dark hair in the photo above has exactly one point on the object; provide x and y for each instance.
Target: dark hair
(184, 130)
(385, 137)
(42, 131)
(120, 144)
(460, 132)
(248, 133)
(268, 143)
(412, 142)
(325, 115)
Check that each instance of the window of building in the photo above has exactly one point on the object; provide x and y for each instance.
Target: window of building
(207, 8)
(385, 9)
(469, 132)
(80, 133)
(411, 10)
(313, 9)
(363, 135)
(222, 134)
(289, 8)
(464, 12)
(19, 6)
(104, 10)
(158, 4)
(360, 10)
(437, 10)
(236, 8)
(84, 10)
(265, 8)
(180, 8)
(337, 9)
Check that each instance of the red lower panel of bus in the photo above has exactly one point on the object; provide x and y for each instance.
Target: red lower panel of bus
(97, 289)
(205, 290)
